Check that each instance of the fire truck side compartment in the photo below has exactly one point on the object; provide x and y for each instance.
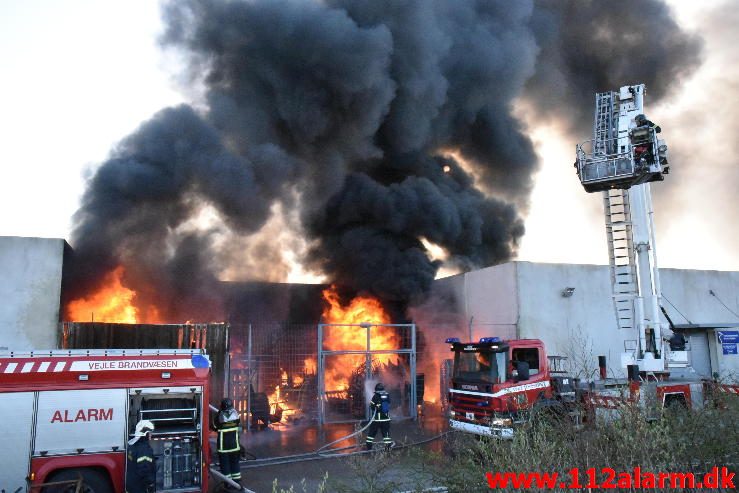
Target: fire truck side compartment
(80, 421)
(176, 414)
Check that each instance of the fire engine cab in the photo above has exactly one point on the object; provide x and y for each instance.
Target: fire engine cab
(495, 384)
(66, 414)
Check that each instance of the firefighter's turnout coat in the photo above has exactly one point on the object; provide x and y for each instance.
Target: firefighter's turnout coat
(140, 469)
(228, 446)
(380, 406)
(380, 412)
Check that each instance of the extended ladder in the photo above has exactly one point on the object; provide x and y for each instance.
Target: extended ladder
(621, 254)
(604, 129)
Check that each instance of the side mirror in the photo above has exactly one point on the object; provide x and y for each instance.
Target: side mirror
(657, 129)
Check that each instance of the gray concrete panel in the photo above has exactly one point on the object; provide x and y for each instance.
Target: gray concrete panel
(30, 292)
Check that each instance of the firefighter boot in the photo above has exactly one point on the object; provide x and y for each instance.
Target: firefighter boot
(236, 478)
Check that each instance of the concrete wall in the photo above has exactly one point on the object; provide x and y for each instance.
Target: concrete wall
(584, 326)
(581, 326)
(690, 293)
(492, 301)
(30, 292)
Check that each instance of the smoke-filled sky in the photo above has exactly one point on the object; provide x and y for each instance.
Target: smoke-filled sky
(376, 143)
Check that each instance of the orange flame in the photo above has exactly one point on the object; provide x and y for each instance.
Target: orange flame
(113, 303)
(279, 406)
(360, 310)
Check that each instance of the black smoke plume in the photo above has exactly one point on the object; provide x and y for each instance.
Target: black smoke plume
(382, 122)
(591, 46)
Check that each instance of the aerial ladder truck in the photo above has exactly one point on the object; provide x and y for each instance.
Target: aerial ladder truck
(621, 160)
(499, 384)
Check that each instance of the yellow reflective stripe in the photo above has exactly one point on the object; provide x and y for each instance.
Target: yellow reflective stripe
(380, 419)
(221, 436)
(220, 440)
(144, 458)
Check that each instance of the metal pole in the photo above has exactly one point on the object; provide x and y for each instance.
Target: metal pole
(249, 373)
(413, 399)
(319, 376)
(368, 367)
(657, 293)
(227, 366)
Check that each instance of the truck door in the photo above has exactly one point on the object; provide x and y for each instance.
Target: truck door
(530, 356)
(16, 424)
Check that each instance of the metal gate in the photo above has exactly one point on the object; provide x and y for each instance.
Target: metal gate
(272, 373)
(352, 355)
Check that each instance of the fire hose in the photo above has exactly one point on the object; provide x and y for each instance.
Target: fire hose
(320, 453)
(229, 481)
(315, 454)
(289, 459)
(361, 430)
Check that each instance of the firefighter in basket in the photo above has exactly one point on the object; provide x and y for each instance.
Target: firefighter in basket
(229, 447)
(380, 417)
(141, 470)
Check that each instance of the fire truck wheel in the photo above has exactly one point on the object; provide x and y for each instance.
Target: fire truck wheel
(92, 481)
(548, 412)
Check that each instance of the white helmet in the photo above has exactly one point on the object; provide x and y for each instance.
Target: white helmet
(142, 428)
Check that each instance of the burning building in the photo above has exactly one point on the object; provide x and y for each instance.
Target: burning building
(368, 144)
(276, 370)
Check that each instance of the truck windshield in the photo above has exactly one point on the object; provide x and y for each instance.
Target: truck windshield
(480, 366)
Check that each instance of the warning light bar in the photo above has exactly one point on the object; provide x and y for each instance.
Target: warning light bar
(451, 340)
(490, 339)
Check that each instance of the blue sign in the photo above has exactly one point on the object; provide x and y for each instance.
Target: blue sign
(729, 340)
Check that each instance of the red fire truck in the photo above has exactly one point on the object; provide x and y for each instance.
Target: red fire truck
(69, 413)
(497, 385)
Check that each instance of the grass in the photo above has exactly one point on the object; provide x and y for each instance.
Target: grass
(679, 441)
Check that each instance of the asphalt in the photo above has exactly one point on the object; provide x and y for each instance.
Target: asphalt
(283, 456)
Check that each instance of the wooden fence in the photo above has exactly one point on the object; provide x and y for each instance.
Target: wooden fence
(211, 337)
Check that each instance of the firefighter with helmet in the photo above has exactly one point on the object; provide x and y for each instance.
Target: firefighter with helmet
(380, 412)
(140, 467)
(229, 447)
(642, 121)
